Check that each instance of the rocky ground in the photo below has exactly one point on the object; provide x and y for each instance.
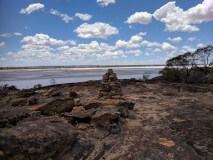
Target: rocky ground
(96, 120)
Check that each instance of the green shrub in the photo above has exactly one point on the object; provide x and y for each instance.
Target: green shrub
(172, 74)
(196, 77)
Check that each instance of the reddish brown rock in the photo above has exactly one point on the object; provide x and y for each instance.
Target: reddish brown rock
(12, 116)
(126, 109)
(37, 140)
(18, 102)
(106, 115)
(79, 115)
(57, 106)
(92, 105)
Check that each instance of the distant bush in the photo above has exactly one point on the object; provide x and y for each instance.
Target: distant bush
(6, 87)
(37, 86)
(145, 76)
(53, 81)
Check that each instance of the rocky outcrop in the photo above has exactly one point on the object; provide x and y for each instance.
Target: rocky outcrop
(57, 106)
(38, 139)
(110, 86)
(165, 125)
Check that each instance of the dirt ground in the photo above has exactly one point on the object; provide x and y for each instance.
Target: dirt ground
(171, 122)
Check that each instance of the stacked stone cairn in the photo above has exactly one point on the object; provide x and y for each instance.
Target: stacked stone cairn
(110, 86)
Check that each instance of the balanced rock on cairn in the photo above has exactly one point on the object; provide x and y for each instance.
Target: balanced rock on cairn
(110, 86)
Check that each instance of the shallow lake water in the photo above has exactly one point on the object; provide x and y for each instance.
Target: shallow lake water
(29, 77)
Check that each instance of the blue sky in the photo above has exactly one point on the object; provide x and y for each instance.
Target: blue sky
(101, 32)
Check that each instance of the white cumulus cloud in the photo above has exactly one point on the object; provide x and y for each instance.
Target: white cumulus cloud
(110, 54)
(93, 49)
(200, 45)
(5, 35)
(157, 50)
(134, 42)
(136, 52)
(168, 47)
(2, 44)
(104, 3)
(84, 17)
(17, 34)
(31, 8)
(140, 17)
(39, 47)
(175, 40)
(96, 30)
(192, 39)
(66, 18)
(41, 39)
(150, 44)
(176, 19)
(142, 34)
(2, 59)
(186, 48)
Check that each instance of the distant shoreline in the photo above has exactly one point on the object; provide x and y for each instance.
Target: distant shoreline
(80, 67)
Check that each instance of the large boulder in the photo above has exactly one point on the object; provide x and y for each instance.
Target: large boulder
(106, 115)
(33, 101)
(12, 116)
(27, 93)
(57, 106)
(126, 108)
(92, 105)
(36, 140)
(18, 102)
(73, 94)
(126, 104)
(109, 118)
(79, 115)
(56, 93)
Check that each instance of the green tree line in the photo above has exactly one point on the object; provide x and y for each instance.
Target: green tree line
(191, 67)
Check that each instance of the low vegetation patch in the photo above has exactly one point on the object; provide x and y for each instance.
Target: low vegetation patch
(4, 89)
